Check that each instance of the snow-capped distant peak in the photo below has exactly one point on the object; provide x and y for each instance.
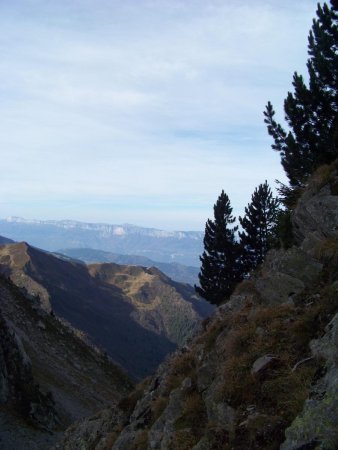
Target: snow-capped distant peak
(108, 229)
(20, 220)
(119, 231)
(159, 245)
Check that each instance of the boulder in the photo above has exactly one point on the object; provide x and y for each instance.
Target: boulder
(97, 431)
(262, 364)
(285, 273)
(163, 430)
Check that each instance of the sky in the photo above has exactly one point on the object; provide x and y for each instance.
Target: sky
(142, 111)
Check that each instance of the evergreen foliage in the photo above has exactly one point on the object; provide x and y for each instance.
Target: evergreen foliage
(311, 112)
(259, 226)
(221, 268)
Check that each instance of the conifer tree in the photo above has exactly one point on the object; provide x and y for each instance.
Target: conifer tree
(311, 112)
(259, 226)
(220, 269)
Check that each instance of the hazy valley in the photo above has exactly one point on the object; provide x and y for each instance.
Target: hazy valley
(137, 315)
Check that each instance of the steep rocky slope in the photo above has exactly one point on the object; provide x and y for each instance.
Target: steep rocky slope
(137, 315)
(48, 376)
(263, 373)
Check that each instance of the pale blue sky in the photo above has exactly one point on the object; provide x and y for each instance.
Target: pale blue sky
(142, 111)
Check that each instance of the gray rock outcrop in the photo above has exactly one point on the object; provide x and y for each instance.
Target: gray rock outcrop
(316, 215)
(317, 425)
(17, 385)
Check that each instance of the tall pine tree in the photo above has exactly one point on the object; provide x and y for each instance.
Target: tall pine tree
(311, 112)
(221, 269)
(259, 226)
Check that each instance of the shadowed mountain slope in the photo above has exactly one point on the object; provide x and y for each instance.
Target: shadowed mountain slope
(156, 298)
(48, 376)
(136, 334)
(4, 240)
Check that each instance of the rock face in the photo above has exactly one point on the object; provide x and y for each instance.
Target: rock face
(98, 431)
(316, 216)
(48, 376)
(284, 274)
(316, 426)
(17, 385)
(263, 371)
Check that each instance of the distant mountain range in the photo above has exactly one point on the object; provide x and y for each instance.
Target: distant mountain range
(175, 271)
(136, 314)
(183, 247)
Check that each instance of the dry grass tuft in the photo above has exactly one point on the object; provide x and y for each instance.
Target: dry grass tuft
(209, 337)
(192, 421)
(194, 414)
(323, 175)
(244, 287)
(184, 440)
(110, 440)
(327, 251)
(141, 440)
(182, 366)
(127, 404)
(238, 387)
(237, 341)
(284, 331)
(158, 406)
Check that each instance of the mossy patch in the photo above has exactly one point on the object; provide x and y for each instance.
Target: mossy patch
(325, 432)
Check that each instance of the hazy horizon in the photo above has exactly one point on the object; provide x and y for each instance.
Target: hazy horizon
(142, 112)
(37, 220)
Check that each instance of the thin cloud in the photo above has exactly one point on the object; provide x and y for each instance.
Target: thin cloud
(142, 100)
